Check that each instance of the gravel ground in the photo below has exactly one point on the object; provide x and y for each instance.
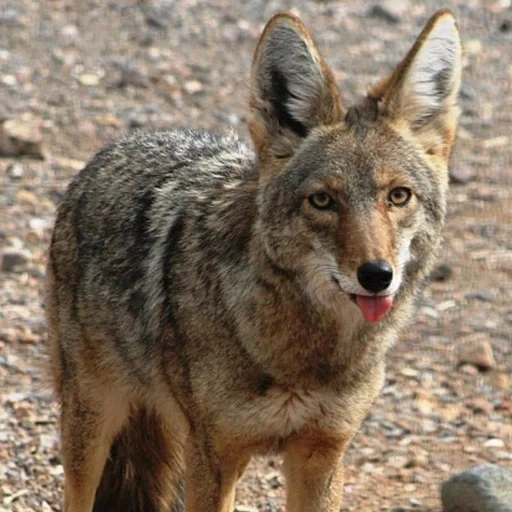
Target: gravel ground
(75, 74)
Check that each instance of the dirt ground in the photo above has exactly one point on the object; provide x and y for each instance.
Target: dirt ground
(79, 73)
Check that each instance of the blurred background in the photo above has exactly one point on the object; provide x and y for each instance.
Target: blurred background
(75, 74)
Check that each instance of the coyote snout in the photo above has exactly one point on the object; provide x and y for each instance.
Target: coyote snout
(208, 301)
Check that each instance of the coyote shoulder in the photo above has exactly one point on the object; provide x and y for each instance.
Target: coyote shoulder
(209, 300)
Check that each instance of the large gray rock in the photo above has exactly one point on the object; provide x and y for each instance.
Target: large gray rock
(486, 488)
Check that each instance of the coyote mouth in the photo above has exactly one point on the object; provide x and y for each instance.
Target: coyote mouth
(373, 307)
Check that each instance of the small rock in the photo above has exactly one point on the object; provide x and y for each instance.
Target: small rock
(409, 372)
(468, 369)
(500, 381)
(243, 508)
(39, 226)
(389, 10)
(89, 79)
(47, 442)
(398, 461)
(473, 47)
(478, 354)
(21, 137)
(506, 26)
(496, 142)
(193, 86)
(26, 336)
(274, 479)
(494, 443)
(24, 196)
(14, 259)
(70, 35)
(461, 174)
(418, 459)
(16, 171)
(483, 295)
(441, 273)
(485, 488)
(479, 405)
(9, 80)
(131, 76)
(46, 507)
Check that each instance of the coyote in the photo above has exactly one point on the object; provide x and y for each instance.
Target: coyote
(208, 301)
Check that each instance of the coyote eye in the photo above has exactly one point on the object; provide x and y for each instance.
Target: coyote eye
(321, 201)
(400, 196)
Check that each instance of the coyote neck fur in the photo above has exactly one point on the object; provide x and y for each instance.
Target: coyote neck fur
(277, 323)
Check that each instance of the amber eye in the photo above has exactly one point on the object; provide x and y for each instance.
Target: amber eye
(400, 196)
(322, 201)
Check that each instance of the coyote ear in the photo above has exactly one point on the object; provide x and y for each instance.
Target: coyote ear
(423, 90)
(292, 89)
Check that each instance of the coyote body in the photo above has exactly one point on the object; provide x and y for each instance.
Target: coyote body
(208, 301)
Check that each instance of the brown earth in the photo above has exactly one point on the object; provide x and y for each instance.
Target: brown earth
(78, 73)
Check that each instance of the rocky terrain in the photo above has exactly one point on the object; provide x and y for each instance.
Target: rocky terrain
(75, 74)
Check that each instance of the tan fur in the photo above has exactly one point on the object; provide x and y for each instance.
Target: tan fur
(201, 304)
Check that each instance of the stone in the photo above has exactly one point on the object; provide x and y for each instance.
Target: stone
(27, 197)
(274, 479)
(482, 295)
(14, 259)
(389, 10)
(193, 86)
(16, 171)
(494, 443)
(477, 353)
(21, 137)
(473, 47)
(485, 488)
(131, 76)
(461, 174)
(89, 79)
(500, 381)
(441, 273)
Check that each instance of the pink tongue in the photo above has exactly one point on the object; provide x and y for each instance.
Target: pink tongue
(374, 308)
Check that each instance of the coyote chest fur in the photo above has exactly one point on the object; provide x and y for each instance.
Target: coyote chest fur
(208, 300)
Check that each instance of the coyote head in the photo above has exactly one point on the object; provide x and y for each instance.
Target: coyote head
(352, 200)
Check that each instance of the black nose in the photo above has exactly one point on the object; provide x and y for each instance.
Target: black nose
(375, 276)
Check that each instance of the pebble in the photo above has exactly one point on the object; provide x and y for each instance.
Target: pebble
(274, 479)
(473, 47)
(500, 381)
(391, 11)
(13, 260)
(485, 488)
(441, 273)
(193, 86)
(39, 226)
(89, 79)
(131, 76)
(478, 354)
(461, 174)
(494, 443)
(496, 142)
(483, 295)
(21, 137)
(27, 197)
(16, 171)
(69, 35)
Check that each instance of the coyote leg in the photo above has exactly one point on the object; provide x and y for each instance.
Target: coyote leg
(314, 475)
(88, 428)
(211, 478)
